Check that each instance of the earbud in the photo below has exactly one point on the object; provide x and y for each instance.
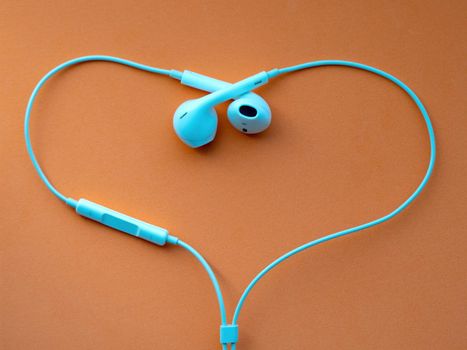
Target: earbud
(249, 114)
(195, 121)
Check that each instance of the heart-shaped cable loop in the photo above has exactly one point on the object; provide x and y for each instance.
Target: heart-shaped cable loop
(154, 234)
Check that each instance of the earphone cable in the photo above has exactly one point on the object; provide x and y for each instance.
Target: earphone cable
(171, 73)
(212, 276)
(271, 74)
(276, 72)
(71, 202)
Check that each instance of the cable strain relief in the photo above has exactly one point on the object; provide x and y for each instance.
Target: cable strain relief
(71, 202)
(172, 239)
(176, 74)
(273, 73)
(229, 333)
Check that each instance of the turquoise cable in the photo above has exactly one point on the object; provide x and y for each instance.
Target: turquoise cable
(47, 77)
(212, 276)
(62, 197)
(272, 74)
(431, 135)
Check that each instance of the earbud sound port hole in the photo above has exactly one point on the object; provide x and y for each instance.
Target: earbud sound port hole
(248, 111)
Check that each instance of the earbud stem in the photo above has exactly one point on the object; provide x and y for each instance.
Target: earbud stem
(236, 89)
(202, 82)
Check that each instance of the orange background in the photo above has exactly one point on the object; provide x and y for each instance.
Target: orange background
(345, 147)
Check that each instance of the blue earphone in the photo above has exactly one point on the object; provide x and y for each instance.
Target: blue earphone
(195, 123)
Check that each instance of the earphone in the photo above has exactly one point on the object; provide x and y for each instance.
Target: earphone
(195, 123)
(249, 113)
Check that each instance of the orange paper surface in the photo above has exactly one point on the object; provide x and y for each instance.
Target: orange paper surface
(344, 147)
